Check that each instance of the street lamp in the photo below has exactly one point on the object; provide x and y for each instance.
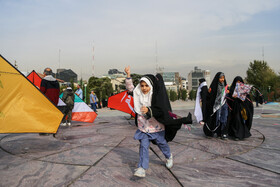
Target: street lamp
(85, 93)
(268, 92)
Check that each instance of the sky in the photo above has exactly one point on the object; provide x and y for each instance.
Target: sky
(177, 35)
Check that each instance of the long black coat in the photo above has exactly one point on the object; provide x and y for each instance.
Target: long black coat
(210, 125)
(204, 95)
(238, 126)
(160, 107)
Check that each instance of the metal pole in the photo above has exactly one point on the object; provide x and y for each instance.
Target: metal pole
(85, 93)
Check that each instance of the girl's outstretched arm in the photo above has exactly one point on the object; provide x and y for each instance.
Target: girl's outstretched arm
(127, 71)
(128, 81)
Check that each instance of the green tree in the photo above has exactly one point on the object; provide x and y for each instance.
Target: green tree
(184, 94)
(263, 77)
(62, 88)
(192, 94)
(179, 94)
(168, 94)
(81, 82)
(72, 83)
(135, 78)
(173, 95)
(101, 86)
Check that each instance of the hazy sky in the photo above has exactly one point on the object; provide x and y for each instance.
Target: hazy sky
(218, 35)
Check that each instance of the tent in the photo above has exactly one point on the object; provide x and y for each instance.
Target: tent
(23, 108)
(81, 111)
(123, 102)
(35, 79)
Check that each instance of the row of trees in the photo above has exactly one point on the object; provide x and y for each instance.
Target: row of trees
(173, 96)
(259, 74)
(101, 86)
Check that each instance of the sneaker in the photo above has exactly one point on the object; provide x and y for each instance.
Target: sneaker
(63, 124)
(169, 162)
(69, 124)
(224, 136)
(140, 172)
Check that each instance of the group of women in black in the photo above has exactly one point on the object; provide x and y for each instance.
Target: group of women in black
(224, 114)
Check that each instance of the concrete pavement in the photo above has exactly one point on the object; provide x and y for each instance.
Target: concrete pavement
(104, 154)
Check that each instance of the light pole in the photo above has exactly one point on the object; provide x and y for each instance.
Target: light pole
(85, 93)
(268, 92)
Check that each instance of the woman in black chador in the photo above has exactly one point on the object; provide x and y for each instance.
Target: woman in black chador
(217, 108)
(240, 113)
(200, 111)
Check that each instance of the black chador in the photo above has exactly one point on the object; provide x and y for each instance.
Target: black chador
(240, 114)
(200, 112)
(203, 94)
(160, 108)
(216, 120)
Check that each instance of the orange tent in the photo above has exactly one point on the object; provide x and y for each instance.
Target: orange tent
(35, 78)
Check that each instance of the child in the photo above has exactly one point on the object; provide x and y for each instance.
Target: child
(217, 108)
(68, 98)
(201, 95)
(151, 105)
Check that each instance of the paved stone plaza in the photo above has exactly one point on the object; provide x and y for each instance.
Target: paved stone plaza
(104, 153)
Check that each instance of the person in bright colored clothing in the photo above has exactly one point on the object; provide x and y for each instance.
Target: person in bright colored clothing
(152, 108)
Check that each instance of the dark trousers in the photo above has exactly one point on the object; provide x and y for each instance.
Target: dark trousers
(68, 113)
(221, 119)
(93, 106)
(257, 103)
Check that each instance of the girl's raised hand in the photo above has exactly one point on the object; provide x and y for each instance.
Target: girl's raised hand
(127, 71)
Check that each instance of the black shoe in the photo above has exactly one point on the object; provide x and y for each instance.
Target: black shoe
(236, 139)
(187, 120)
(44, 134)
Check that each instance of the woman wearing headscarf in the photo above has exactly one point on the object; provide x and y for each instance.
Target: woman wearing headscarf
(152, 108)
(240, 114)
(200, 110)
(217, 109)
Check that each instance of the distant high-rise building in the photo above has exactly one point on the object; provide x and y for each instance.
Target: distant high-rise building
(115, 72)
(67, 75)
(172, 77)
(207, 76)
(184, 83)
(171, 80)
(195, 75)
